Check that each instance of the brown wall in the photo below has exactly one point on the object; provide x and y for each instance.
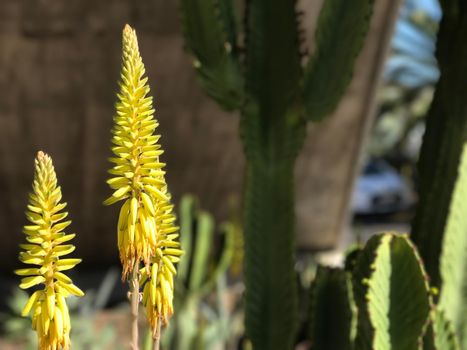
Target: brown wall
(59, 63)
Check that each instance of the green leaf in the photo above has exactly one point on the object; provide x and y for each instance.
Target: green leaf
(453, 260)
(340, 33)
(333, 311)
(202, 249)
(187, 213)
(395, 302)
(221, 263)
(204, 24)
(440, 333)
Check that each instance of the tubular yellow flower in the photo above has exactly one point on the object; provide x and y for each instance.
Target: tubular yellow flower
(44, 250)
(138, 176)
(157, 281)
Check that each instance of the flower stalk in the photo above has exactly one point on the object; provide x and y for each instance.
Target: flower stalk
(134, 302)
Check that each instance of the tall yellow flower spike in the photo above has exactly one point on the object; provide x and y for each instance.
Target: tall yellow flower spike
(146, 225)
(45, 250)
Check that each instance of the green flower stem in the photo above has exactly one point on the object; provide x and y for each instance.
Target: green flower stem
(134, 301)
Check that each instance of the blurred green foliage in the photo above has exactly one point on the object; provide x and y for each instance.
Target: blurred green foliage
(206, 314)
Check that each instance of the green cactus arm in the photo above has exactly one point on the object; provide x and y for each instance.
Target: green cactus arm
(351, 255)
(453, 260)
(440, 334)
(273, 67)
(333, 310)
(339, 37)
(394, 279)
(205, 23)
(362, 265)
(445, 135)
(230, 19)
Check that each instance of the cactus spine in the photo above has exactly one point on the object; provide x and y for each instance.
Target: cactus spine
(276, 95)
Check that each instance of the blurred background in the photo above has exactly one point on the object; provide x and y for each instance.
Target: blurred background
(59, 66)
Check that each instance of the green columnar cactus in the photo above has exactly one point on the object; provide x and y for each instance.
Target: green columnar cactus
(392, 294)
(440, 334)
(198, 276)
(394, 302)
(333, 311)
(453, 260)
(446, 132)
(276, 95)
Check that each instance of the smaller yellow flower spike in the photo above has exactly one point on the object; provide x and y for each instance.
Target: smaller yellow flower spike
(45, 250)
(138, 176)
(158, 279)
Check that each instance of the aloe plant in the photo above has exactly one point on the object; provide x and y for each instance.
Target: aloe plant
(198, 324)
(276, 96)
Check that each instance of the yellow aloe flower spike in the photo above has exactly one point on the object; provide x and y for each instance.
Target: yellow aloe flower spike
(158, 280)
(45, 250)
(138, 176)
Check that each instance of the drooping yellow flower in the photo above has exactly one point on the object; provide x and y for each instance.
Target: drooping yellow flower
(45, 250)
(146, 217)
(158, 280)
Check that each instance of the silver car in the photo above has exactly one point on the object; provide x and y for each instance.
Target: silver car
(380, 189)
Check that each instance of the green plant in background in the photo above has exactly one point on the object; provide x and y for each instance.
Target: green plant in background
(392, 294)
(89, 332)
(276, 96)
(397, 306)
(45, 250)
(17, 328)
(446, 133)
(439, 228)
(410, 74)
(333, 310)
(146, 230)
(391, 291)
(453, 260)
(202, 320)
(86, 333)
